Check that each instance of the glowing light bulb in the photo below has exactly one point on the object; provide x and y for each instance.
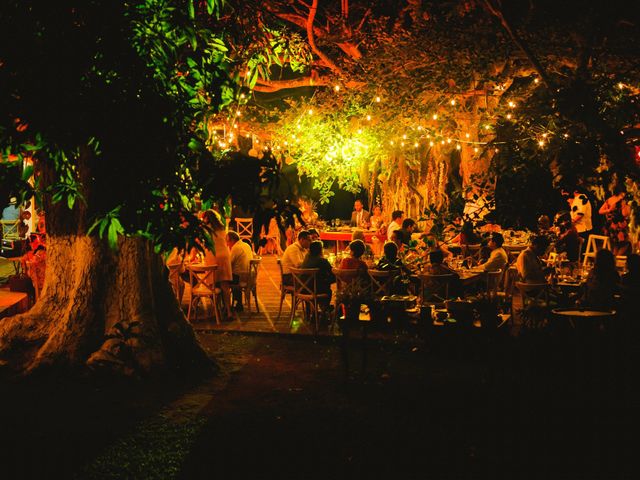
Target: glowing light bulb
(487, 127)
(359, 130)
(337, 88)
(378, 99)
(442, 142)
(458, 147)
(238, 113)
(509, 116)
(475, 149)
(235, 125)
(497, 150)
(536, 80)
(310, 112)
(467, 135)
(435, 116)
(243, 96)
(390, 142)
(431, 144)
(368, 118)
(453, 102)
(544, 135)
(415, 145)
(566, 135)
(512, 104)
(448, 140)
(404, 137)
(402, 144)
(541, 143)
(620, 85)
(419, 128)
(286, 143)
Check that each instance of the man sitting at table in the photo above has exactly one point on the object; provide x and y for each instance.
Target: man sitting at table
(498, 258)
(396, 223)
(294, 255)
(240, 257)
(408, 227)
(313, 234)
(359, 216)
(437, 267)
(529, 265)
(325, 276)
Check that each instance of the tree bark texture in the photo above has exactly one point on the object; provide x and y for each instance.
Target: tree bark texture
(101, 310)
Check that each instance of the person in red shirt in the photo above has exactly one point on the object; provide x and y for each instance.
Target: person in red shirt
(354, 262)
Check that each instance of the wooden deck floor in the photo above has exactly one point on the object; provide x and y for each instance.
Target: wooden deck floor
(266, 320)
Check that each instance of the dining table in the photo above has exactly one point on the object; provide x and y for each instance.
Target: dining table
(344, 236)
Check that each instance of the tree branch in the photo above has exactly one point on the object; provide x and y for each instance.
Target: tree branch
(312, 42)
(497, 12)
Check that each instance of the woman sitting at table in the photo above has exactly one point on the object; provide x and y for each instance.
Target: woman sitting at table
(354, 261)
(602, 283)
(221, 258)
(437, 267)
(315, 259)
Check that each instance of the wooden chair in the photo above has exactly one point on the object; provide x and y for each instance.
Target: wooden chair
(177, 285)
(203, 280)
(284, 289)
(244, 228)
(345, 277)
(248, 284)
(10, 229)
(493, 282)
(535, 303)
(438, 286)
(381, 282)
(305, 292)
(595, 243)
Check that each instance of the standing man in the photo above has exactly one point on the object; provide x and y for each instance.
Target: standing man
(359, 216)
(240, 257)
(396, 223)
(581, 213)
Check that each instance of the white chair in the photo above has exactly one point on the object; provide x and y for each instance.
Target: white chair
(203, 281)
(305, 292)
(248, 284)
(244, 228)
(595, 243)
(284, 289)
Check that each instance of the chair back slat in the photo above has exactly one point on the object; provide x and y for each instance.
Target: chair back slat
(438, 286)
(202, 277)
(381, 282)
(244, 227)
(305, 281)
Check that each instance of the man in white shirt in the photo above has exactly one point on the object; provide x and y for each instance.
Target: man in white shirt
(581, 213)
(294, 255)
(498, 259)
(240, 255)
(396, 223)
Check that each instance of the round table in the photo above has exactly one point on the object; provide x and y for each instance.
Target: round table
(577, 314)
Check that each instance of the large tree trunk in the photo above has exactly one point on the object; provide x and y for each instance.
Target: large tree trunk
(101, 310)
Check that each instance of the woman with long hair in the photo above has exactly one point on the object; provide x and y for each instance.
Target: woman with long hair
(603, 282)
(221, 257)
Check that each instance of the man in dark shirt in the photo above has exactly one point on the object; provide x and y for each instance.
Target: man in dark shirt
(314, 259)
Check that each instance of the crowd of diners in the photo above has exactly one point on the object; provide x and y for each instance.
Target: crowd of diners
(398, 245)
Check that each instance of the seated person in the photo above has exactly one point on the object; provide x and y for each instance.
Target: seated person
(240, 255)
(294, 255)
(397, 237)
(313, 234)
(437, 267)
(354, 262)
(602, 283)
(358, 234)
(390, 260)
(408, 227)
(529, 265)
(315, 259)
(498, 259)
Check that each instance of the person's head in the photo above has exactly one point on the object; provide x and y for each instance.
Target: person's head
(357, 205)
(304, 239)
(562, 220)
(390, 250)
(314, 234)
(232, 238)
(495, 240)
(357, 235)
(539, 244)
(377, 211)
(408, 224)
(544, 222)
(397, 215)
(357, 248)
(604, 264)
(13, 201)
(436, 257)
(397, 237)
(315, 248)
(633, 264)
(212, 220)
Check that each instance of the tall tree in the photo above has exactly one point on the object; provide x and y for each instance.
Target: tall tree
(104, 102)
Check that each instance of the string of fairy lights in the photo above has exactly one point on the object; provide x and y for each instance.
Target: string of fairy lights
(423, 134)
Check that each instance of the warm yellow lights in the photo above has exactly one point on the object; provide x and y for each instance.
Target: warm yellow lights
(235, 125)
(431, 144)
(378, 99)
(541, 143)
(452, 102)
(404, 137)
(416, 145)
(544, 135)
(435, 116)
(448, 140)
(475, 149)
(536, 80)
(368, 118)
(487, 127)
(512, 104)
(310, 112)
(238, 113)
(337, 88)
(390, 142)
(243, 96)
(509, 116)
(620, 85)
(458, 147)
(467, 135)
(566, 135)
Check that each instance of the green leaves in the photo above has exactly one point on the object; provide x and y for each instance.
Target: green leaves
(110, 224)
